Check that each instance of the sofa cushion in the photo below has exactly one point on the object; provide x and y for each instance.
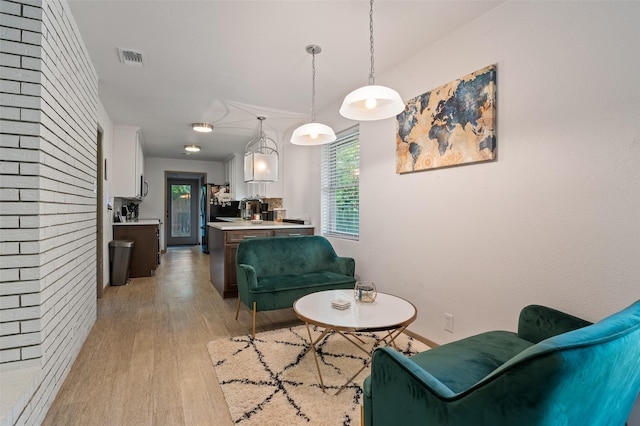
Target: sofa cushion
(294, 281)
(461, 364)
(284, 298)
(286, 255)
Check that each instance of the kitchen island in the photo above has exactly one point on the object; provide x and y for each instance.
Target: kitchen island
(224, 238)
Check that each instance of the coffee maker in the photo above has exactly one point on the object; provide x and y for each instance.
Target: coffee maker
(250, 207)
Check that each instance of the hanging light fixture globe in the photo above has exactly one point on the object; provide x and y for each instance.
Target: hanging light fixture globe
(371, 102)
(261, 158)
(313, 133)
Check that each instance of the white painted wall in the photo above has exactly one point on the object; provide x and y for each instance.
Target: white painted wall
(554, 220)
(301, 193)
(152, 207)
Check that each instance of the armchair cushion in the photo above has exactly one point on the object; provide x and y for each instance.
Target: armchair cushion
(476, 356)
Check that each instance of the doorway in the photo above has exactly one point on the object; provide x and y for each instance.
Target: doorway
(183, 200)
(101, 174)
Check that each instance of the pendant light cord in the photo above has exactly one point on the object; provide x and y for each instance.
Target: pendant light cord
(262, 136)
(313, 86)
(371, 77)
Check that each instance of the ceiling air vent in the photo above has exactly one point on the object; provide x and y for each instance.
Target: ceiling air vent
(130, 57)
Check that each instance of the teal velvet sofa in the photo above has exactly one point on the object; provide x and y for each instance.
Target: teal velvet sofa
(556, 370)
(275, 272)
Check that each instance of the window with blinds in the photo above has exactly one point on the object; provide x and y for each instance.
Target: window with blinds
(341, 186)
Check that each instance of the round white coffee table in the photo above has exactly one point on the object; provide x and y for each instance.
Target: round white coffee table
(387, 313)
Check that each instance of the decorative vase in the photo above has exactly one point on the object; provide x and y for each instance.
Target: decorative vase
(365, 292)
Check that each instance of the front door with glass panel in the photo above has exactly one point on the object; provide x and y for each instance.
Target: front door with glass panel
(182, 211)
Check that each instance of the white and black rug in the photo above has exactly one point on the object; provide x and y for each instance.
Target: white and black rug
(269, 381)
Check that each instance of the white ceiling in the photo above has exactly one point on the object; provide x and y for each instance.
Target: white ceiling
(226, 62)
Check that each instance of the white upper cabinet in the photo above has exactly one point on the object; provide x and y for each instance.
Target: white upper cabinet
(128, 163)
(233, 176)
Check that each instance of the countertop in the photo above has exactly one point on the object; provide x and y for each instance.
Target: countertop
(239, 224)
(139, 222)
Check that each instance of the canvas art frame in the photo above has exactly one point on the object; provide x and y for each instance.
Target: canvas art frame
(450, 125)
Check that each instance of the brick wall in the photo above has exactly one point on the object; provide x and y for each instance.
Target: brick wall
(48, 125)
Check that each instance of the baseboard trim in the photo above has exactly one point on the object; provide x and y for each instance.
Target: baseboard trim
(422, 339)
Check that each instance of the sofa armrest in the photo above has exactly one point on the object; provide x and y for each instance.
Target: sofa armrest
(247, 280)
(538, 323)
(402, 392)
(343, 265)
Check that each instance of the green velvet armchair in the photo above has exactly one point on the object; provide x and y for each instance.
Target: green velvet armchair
(557, 370)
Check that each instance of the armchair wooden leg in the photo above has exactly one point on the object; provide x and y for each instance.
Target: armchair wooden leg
(254, 320)
(238, 309)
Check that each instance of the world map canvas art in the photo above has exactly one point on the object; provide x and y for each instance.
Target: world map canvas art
(451, 125)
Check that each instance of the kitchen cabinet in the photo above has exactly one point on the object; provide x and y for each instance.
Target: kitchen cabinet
(145, 256)
(128, 159)
(292, 232)
(233, 175)
(223, 246)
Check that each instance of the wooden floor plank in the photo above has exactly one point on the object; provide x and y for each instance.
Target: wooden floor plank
(145, 361)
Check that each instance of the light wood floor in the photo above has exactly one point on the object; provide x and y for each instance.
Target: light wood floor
(145, 361)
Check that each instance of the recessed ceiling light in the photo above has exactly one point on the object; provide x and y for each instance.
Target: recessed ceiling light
(192, 148)
(202, 127)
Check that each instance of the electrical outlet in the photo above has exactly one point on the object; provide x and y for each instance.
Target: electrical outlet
(448, 322)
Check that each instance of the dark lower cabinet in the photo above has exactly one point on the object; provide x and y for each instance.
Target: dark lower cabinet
(145, 257)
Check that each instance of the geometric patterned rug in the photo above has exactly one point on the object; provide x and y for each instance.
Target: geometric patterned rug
(270, 380)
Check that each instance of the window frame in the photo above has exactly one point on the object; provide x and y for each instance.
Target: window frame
(345, 225)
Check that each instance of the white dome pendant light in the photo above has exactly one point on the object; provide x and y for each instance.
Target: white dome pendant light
(371, 102)
(313, 133)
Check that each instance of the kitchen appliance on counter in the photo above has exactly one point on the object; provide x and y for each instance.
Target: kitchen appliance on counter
(279, 214)
(124, 214)
(129, 212)
(250, 207)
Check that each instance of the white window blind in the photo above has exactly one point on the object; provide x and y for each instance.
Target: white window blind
(341, 186)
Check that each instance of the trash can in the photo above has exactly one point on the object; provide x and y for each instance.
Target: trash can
(119, 259)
